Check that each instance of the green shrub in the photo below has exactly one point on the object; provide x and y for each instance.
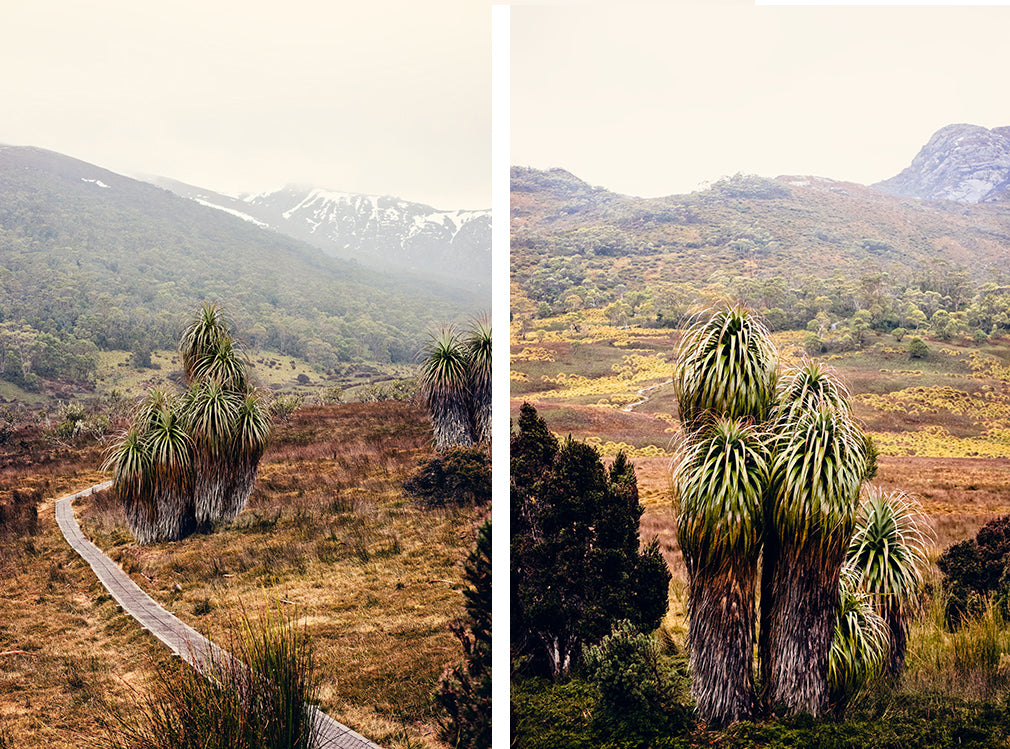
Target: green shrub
(465, 690)
(975, 570)
(640, 694)
(457, 476)
(917, 348)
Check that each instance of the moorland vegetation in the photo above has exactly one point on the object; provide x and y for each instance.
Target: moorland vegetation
(367, 580)
(935, 426)
(836, 261)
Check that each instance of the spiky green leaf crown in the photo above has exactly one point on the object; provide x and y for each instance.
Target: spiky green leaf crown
(199, 338)
(478, 348)
(444, 369)
(888, 547)
(819, 463)
(720, 485)
(805, 387)
(726, 367)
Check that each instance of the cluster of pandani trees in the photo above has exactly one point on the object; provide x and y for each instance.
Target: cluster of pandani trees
(769, 489)
(456, 385)
(190, 459)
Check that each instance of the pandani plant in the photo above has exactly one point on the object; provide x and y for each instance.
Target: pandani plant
(726, 367)
(445, 384)
(888, 553)
(249, 442)
(153, 471)
(725, 378)
(211, 416)
(859, 646)
(719, 487)
(801, 498)
(190, 461)
(816, 475)
(456, 385)
(478, 351)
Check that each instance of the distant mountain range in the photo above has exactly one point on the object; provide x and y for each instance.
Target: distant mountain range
(378, 231)
(785, 244)
(91, 258)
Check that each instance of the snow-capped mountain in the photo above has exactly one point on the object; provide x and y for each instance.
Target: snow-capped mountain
(966, 163)
(378, 231)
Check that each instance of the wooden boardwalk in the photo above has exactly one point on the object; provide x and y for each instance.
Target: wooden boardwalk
(182, 639)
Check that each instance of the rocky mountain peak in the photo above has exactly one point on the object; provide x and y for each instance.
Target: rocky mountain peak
(966, 163)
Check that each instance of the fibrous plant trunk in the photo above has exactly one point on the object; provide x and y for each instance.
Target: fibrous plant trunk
(721, 643)
(451, 424)
(176, 516)
(894, 617)
(240, 487)
(801, 596)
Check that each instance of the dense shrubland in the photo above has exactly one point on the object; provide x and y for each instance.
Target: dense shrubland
(833, 260)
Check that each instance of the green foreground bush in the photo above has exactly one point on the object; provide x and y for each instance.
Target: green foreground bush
(548, 715)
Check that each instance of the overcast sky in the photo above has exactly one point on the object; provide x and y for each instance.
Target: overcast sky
(653, 100)
(375, 96)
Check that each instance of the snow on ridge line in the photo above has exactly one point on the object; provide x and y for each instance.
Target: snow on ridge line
(233, 212)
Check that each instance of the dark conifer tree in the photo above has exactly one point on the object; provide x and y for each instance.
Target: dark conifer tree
(576, 565)
(465, 690)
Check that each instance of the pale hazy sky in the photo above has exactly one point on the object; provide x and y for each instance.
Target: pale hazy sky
(653, 100)
(374, 96)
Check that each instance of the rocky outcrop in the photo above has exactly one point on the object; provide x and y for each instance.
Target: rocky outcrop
(966, 163)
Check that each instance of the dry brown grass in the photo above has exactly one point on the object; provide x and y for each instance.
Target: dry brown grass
(65, 646)
(329, 533)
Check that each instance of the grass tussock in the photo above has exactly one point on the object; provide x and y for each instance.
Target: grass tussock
(255, 698)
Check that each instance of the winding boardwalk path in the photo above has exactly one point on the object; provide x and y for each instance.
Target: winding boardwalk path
(181, 639)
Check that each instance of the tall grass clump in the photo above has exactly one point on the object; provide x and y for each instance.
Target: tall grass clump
(967, 663)
(255, 699)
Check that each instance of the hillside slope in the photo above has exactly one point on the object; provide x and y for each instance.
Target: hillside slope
(574, 245)
(95, 259)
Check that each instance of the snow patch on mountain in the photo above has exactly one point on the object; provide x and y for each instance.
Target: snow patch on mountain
(233, 212)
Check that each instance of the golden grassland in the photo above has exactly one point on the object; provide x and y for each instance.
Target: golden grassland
(328, 534)
(65, 646)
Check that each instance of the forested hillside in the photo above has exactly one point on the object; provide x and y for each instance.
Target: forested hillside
(93, 261)
(808, 253)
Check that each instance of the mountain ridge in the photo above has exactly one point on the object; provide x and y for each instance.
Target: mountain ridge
(379, 231)
(960, 162)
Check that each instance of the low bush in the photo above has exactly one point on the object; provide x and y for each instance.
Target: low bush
(641, 693)
(458, 476)
(19, 515)
(975, 570)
